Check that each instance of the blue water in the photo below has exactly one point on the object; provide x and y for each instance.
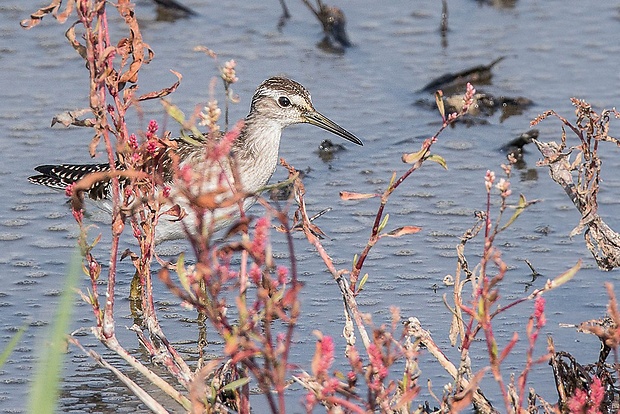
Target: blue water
(554, 50)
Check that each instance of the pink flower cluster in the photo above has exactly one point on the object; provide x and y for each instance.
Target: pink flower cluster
(282, 273)
(151, 130)
(468, 99)
(69, 190)
(256, 274)
(210, 115)
(489, 179)
(376, 361)
(228, 72)
(133, 142)
(134, 145)
(151, 146)
(259, 243)
(504, 188)
(324, 357)
(224, 146)
(582, 403)
(539, 312)
(78, 215)
(321, 363)
(151, 136)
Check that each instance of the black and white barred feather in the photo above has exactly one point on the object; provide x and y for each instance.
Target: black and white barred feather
(59, 177)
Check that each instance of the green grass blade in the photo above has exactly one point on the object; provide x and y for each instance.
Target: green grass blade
(46, 383)
(11, 345)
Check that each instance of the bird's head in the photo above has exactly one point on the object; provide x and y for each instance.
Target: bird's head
(287, 102)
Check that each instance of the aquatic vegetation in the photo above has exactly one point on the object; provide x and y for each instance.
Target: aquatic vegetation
(242, 271)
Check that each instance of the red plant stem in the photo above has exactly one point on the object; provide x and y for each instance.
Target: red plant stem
(345, 289)
(243, 275)
(263, 382)
(374, 234)
(528, 364)
(97, 100)
(93, 281)
(483, 312)
(488, 239)
(295, 308)
(469, 337)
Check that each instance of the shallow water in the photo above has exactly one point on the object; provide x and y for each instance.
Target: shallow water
(554, 50)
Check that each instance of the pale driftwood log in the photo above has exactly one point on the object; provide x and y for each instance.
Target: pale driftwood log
(601, 240)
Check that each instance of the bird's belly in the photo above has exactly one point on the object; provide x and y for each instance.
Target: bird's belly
(171, 228)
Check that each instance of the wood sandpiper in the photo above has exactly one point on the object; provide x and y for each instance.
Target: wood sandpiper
(277, 103)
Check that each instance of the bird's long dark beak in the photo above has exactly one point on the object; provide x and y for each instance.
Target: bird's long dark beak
(320, 120)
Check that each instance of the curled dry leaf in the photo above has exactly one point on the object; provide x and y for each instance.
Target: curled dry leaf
(68, 118)
(70, 35)
(92, 147)
(137, 48)
(163, 92)
(175, 211)
(128, 253)
(463, 399)
(36, 17)
(92, 181)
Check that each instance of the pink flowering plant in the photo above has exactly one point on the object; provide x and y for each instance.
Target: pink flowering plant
(384, 347)
(241, 272)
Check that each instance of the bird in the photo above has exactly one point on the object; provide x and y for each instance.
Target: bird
(277, 103)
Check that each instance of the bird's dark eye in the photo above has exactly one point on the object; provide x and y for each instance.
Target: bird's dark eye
(284, 101)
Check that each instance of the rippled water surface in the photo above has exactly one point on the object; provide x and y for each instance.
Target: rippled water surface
(554, 50)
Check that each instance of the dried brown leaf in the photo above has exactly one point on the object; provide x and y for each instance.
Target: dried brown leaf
(62, 17)
(91, 180)
(175, 211)
(347, 195)
(402, 231)
(213, 199)
(92, 147)
(70, 35)
(163, 92)
(137, 48)
(68, 118)
(36, 17)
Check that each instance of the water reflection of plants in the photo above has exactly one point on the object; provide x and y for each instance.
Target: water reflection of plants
(384, 372)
